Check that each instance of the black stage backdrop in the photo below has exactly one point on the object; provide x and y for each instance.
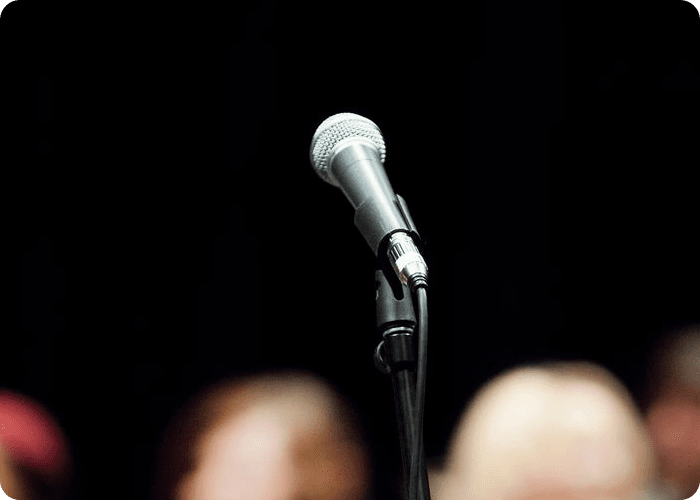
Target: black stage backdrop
(172, 231)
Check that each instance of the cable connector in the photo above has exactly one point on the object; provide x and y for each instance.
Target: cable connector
(407, 261)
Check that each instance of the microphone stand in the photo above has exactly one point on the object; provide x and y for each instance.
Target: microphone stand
(395, 355)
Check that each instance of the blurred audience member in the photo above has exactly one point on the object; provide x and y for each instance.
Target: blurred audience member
(560, 431)
(673, 416)
(35, 462)
(276, 436)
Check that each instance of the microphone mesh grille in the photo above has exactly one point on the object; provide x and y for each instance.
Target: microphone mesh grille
(338, 128)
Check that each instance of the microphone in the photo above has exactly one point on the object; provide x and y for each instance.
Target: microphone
(348, 152)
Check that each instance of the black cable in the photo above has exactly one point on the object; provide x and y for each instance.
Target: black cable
(417, 445)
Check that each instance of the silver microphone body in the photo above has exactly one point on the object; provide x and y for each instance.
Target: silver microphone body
(348, 152)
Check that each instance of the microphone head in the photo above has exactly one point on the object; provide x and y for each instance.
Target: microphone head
(336, 131)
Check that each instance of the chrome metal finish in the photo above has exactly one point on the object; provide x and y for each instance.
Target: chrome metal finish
(331, 136)
(407, 260)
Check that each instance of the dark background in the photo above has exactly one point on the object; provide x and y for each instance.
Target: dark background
(172, 231)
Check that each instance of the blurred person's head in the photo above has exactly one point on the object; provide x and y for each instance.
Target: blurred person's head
(35, 463)
(275, 436)
(673, 413)
(675, 366)
(560, 431)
